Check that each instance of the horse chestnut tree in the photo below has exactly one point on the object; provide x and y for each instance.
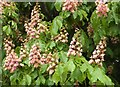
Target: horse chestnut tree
(62, 43)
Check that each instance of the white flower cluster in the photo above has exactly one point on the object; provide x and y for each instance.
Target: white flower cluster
(99, 53)
(70, 5)
(75, 48)
(35, 56)
(34, 27)
(3, 4)
(12, 61)
(62, 37)
(102, 8)
(23, 52)
(36, 59)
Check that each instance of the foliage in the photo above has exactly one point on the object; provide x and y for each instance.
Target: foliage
(62, 69)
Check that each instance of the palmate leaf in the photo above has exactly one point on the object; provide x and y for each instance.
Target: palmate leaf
(52, 44)
(70, 66)
(43, 68)
(58, 5)
(78, 75)
(56, 78)
(83, 68)
(13, 79)
(56, 25)
(99, 74)
(28, 79)
(75, 14)
(63, 56)
(37, 82)
(7, 29)
(23, 81)
(60, 74)
(40, 80)
(65, 14)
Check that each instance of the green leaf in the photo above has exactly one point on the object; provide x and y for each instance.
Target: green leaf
(75, 14)
(63, 56)
(42, 47)
(58, 5)
(52, 44)
(0, 70)
(14, 24)
(37, 82)
(84, 67)
(28, 79)
(64, 77)
(95, 75)
(34, 74)
(15, 15)
(101, 76)
(60, 72)
(56, 25)
(56, 78)
(49, 81)
(90, 68)
(78, 75)
(59, 69)
(70, 66)
(7, 29)
(13, 79)
(114, 14)
(84, 14)
(84, 40)
(59, 23)
(108, 81)
(26, 62)
(54, 28)
(96, 37)
(23, 81)
(95, 21)
(43, 68)
(80, 15)
(17, 49)
(66, 14)
(42, 79)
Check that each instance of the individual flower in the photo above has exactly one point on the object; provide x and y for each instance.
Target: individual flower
(99, 53)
